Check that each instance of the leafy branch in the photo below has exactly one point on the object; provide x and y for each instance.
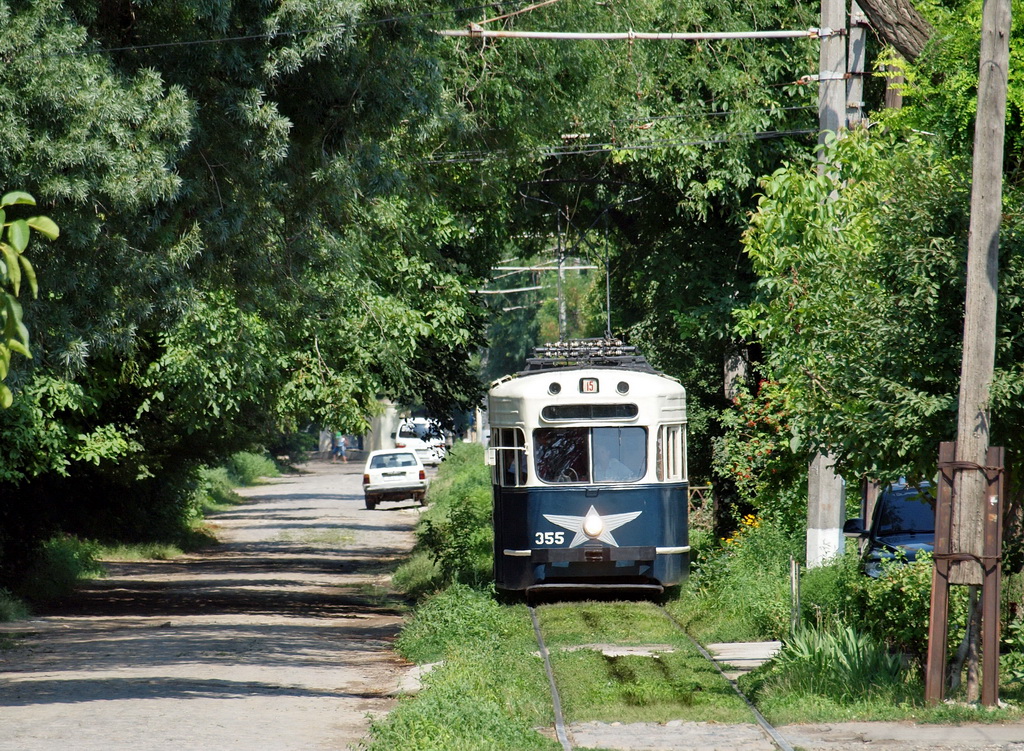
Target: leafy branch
(15, 268)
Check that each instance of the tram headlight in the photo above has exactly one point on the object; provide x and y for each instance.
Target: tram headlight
(593, 525)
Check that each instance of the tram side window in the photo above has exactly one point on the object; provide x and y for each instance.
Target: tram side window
(511, 456)
(562, 454)
(671, 453)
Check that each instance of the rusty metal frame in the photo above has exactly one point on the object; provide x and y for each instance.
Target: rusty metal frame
(990, 561)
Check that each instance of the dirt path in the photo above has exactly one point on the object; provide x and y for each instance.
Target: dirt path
(278, 639)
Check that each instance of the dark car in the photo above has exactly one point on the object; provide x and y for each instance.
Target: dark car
(903, 520)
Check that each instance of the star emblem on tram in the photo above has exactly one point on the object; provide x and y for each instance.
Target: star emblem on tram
(592, 526)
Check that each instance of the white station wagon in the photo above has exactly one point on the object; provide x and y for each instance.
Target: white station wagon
(394, 475)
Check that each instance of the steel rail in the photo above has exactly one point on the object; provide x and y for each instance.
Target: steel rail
(773, 735)
(563, 736)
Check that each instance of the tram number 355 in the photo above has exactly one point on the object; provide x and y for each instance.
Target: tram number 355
(549, 538)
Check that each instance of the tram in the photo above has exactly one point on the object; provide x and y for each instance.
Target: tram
(588, 457)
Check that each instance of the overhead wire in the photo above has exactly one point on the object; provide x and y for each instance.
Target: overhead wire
(473, 157)
(272, 34)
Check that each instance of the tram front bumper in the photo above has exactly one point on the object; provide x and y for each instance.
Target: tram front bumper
(585, 553)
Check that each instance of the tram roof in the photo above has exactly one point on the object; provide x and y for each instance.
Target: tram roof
(587, 353)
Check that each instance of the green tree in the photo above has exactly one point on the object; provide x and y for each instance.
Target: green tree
(858, 300)
(667, 139)
(249, 245)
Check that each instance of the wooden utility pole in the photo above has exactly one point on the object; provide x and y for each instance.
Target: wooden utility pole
(972, 554)
(973, 421)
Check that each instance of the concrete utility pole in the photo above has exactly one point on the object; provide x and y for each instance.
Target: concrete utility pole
(973, 422)
(826, 506)
(832, 70)
(826, 509)
(855, 86)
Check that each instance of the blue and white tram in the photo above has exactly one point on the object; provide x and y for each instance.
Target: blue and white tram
(588, 451)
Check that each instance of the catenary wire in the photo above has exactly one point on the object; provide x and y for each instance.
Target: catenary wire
(272, 34)
(483, 156)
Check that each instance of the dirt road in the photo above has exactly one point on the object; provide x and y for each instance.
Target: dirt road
(278, 639)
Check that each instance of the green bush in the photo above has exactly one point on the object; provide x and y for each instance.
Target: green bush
(12, 608)
(246, 468)
(893, 608)
(896, 606)
(740, 591)
(59, 564)
(1012, 662)
(216, 488)
(455, 532)
(830, 595)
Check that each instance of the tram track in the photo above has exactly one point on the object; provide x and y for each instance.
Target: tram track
(562, 733)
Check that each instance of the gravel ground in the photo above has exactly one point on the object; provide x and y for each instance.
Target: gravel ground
(843, 736)
(278, 639)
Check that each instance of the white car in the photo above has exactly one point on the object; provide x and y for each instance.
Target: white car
(394, 475)
(423, 436)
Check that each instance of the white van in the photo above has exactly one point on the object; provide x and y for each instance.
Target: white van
(423, 436)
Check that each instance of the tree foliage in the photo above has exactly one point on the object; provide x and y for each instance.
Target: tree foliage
(861, 271)
(660, 143)
(249, 243)
(860, 291)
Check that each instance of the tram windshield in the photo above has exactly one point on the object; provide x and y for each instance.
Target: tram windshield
(609, 454)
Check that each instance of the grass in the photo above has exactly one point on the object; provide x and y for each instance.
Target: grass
(461, 618)
(142, 551)
(327, 536)
(904, 705)
(59, 564)
(485, 698)
(678, 685)
(489, 692)
(619, 622)
(673, 683)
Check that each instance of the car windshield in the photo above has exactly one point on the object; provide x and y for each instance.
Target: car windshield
(906, 511)
(383, 461)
